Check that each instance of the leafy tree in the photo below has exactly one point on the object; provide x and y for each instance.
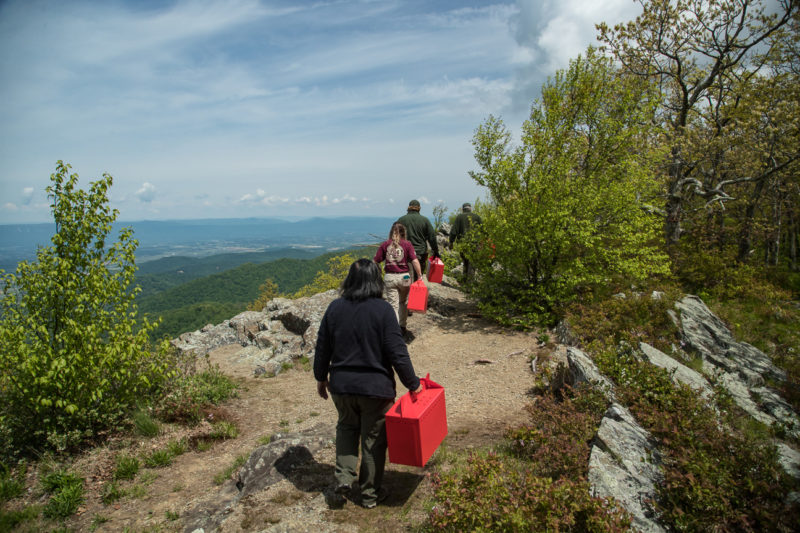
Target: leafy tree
(439, 214)
(73, 357)
(703, 56)
(566, 208)
(325, 280)
(266, 292)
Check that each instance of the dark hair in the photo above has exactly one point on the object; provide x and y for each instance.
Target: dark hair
(364, 281)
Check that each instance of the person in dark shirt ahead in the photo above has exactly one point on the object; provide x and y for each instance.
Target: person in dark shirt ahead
(359, 347)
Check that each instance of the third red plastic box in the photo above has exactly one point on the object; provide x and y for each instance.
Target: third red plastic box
(435, 270)
(415, 429)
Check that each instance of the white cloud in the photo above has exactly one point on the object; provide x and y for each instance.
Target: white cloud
(27, 195)
(10, 207)
(551, 33)
(273, 200)
(146, 193)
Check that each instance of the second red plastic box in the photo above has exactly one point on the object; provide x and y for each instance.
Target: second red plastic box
(418, 297)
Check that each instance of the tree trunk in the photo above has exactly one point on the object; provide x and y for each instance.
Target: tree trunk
(746, 232)
(791, 239)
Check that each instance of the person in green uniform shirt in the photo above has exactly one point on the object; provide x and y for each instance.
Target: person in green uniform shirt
(421, 234)
(464, 221)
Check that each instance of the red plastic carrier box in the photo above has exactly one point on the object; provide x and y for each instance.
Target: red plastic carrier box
(435, 270)
(416, 426)
(418, 297)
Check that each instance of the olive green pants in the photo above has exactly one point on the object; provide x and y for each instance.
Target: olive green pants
(361, 418)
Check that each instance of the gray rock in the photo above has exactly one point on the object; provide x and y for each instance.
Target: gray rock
(564, 334)
(583, 370)
(739, 367)
(707, 334)
(680, 372)
(789, 459)
(280, 459)
(624, 464)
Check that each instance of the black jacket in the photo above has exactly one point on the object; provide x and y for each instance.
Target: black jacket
(358, 345)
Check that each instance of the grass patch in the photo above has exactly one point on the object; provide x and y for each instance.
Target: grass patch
(204, 445)
(111, 493)
(97, 521)
(126, 467)
(177, 447)
(13, 519)
(11, 485)
(146, 425)
(66, 493)
(159, 459)
(223, 476)
(190, 400)
(224, 430)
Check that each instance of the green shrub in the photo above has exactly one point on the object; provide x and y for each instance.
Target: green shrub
(716, 476)
(632, 319)
(126, 468)
(557, 441)
(325, 280)
(557, 225)
(496, 493)
(74, 358)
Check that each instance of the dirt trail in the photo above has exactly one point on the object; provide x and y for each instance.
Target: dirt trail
(485, 371)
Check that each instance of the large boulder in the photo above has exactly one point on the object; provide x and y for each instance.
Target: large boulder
(740, 368)
(626, 465)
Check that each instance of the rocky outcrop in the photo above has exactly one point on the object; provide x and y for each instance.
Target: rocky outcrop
(287, 329)
(284, 330)
(740, 368)
(625, 464)
(287, 456)
(624, 460)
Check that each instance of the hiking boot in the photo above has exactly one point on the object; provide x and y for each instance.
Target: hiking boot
(382, 495)
(343, 489)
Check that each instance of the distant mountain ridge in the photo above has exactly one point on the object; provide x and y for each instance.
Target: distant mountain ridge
(204, 237)
(188, 299)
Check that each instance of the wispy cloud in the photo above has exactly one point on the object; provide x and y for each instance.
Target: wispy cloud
(242, 107)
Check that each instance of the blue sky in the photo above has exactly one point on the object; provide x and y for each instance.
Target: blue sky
(248, 108)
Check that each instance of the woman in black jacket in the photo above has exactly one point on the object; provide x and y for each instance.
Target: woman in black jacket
(359, 346)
